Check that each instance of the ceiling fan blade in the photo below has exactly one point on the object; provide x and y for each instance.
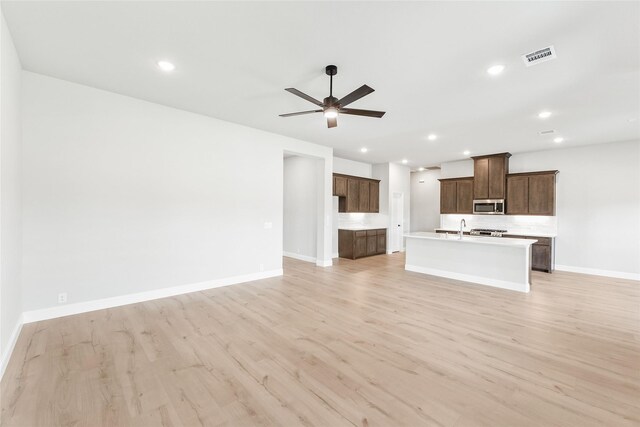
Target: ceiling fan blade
(332, 122)
(363, 90)
(356, 112)
(299, 113)
(304, 96)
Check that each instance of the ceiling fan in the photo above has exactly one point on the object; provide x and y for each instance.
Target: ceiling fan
(332, 106)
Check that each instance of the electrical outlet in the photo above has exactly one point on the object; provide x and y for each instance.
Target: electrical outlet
(268, 225)
(62, 298)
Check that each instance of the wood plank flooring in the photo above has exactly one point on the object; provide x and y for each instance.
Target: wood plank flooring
(362, 343)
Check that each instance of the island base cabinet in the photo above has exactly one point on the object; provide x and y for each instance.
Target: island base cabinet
(354, 244)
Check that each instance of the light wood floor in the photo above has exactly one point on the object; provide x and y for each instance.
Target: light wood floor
(362, 343)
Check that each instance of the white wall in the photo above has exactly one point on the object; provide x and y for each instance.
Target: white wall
(124, 196)
(351, 167)
(300, 207)
(425, 200)
(597, 204)
(10, 194)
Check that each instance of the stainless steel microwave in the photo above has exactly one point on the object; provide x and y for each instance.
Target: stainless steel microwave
(488, 207)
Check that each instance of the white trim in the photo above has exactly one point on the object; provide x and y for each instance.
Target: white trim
(6, 354)
(598, 272)
(513, 286)
(100, 304)
(325, 263)
(298, 256)
(335, 255)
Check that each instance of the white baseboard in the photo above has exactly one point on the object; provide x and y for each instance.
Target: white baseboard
(335, 255)
(6, 353)
(299, 256)
(100, 304)
(598, 272)
(324, 263)
(512, 286)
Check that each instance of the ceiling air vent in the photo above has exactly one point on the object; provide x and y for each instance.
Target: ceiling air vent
(539, 56)
(547, 132)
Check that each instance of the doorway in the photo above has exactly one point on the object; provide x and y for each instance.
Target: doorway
(306, 228)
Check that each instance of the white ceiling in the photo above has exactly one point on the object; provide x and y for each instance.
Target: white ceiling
(427, 62)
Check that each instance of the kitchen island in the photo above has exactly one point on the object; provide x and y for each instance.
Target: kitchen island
(491, 261)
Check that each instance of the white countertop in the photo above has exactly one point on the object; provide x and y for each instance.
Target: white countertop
(361, 227)
(509, 232)
(482, 240)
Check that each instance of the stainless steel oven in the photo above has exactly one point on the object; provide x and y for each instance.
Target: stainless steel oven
(488, 207)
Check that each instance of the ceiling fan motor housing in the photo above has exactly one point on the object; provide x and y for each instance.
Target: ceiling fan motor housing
(331, 70)
(330, 100)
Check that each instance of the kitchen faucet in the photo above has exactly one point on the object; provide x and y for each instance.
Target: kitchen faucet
(463, 223)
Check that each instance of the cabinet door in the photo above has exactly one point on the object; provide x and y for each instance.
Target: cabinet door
(542, 194)
(464, 196)
(496, 177)
(360, 246)
(448, 199)
(363, 205)
(541, 257)
(372, 244)
(481, 178)
(374, 196)
(517, 195)
(353, 195)
(382, 242)
(340, 186)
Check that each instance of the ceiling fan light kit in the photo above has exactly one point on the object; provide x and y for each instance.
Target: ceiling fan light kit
(332, 106)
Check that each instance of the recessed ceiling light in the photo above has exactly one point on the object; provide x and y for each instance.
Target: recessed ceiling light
(432, 137)
(466, 152)
(166, 66)
(558, 139)
(544, 114)
(363, 150)
(405, 161)
(420, 169)
(495, 70)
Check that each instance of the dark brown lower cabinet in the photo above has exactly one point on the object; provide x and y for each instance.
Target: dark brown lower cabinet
(358, 248)
(540, 257)
(542, 253)
(382, 241)
(356, 244)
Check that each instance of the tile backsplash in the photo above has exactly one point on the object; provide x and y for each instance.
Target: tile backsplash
(526, 224)
(362, 219)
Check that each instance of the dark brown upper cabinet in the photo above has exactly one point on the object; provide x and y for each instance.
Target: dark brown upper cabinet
(356, 194)
(374, 196)
(489, 176)
(456, 195)
(340, 186)
(363, 201)
(531, 193)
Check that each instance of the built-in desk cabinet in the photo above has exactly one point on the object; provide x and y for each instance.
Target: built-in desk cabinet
(354, 244)
(356, 194)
